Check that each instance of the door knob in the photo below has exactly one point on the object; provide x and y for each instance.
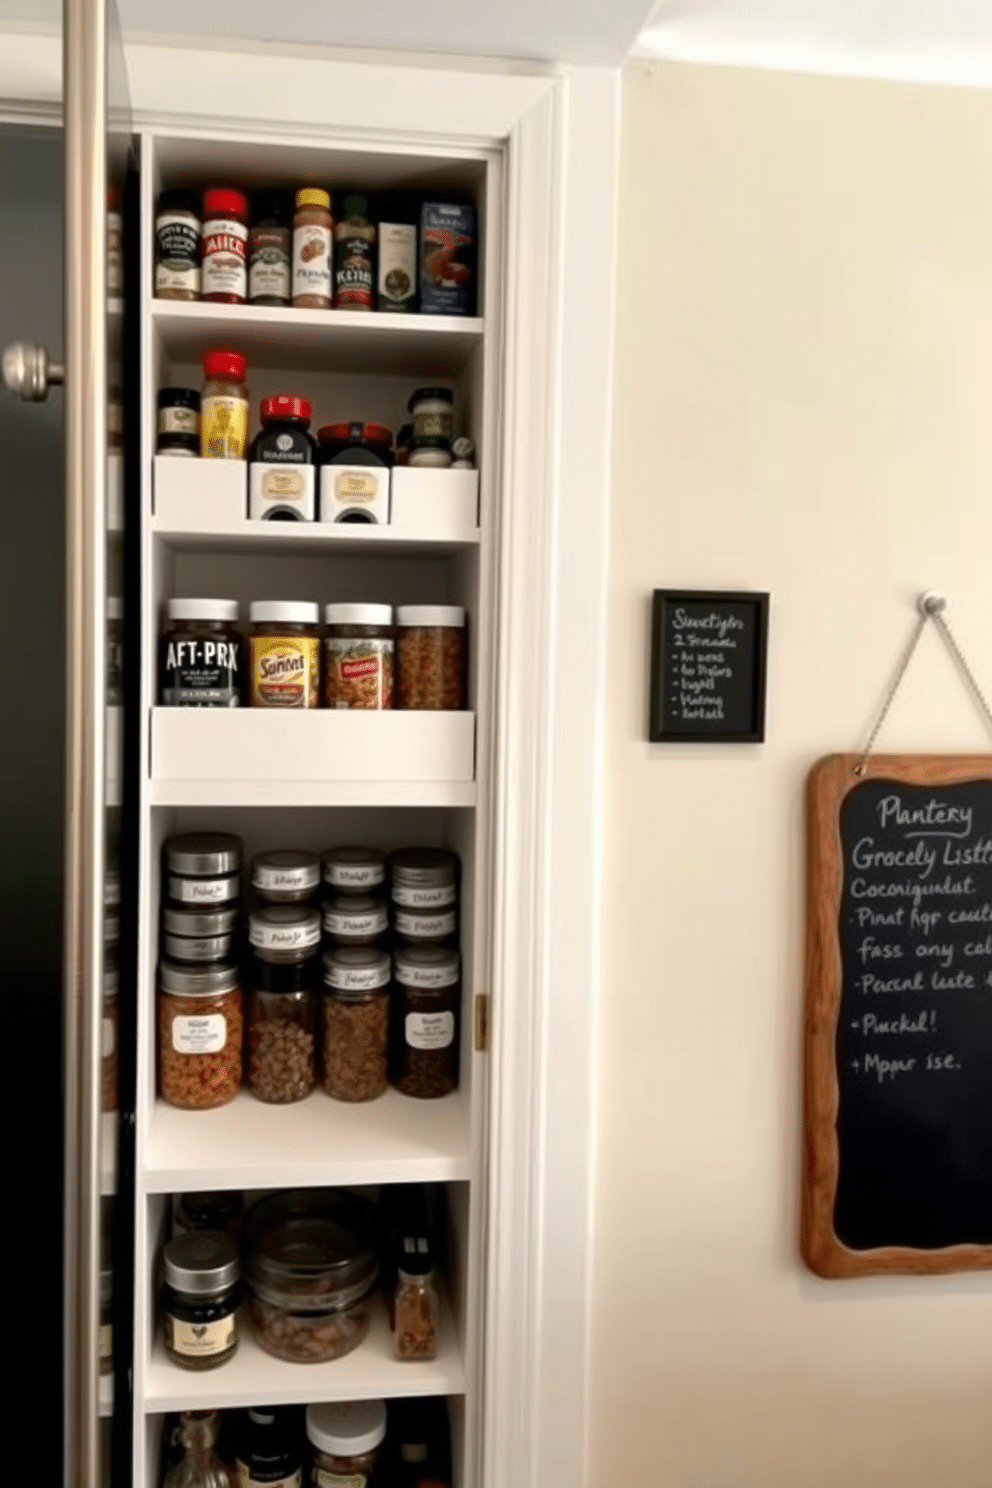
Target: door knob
(28, 372)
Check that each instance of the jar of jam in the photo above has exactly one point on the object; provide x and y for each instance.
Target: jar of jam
(224, 270)
(269, 250)
(284, 654)
(200, 1299)
(282, 463)
(178, 421)
(358, 656)
(201, 658)
(313, 231)
(354, 478)
(224, 406)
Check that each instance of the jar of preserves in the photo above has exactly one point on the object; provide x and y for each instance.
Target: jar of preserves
(354, 256)
(200, 1299)
(201, 655)
(203, 869)
(285, 940)
(224, 271)
(424, 878)
(346, 1437)
(192, 935)
(283, 459)
(200, 1034)
(356, 1022)
(177, 245)
(358, 656)
(284, 654)
(425, 1020)
(270, 250)
(433, 412)
(266, 1453)
(208, 1210)
(430, 657)
(354, 870)
(224, 406)
(285, 876)
(355, 920)
(109, 1039)
(178, 422)
(313, 229)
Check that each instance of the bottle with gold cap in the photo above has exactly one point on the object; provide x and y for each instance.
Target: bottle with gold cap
(313, 235)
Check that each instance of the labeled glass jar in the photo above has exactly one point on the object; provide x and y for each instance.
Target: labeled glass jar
(346, 1437)
(201, 1028)
(224, 269)
(285, 876)
(433, 412)
(354, 870)
(178, 422)
(426, 1006)
(430, 657)
(266, 1453)
(203, 869)
(355, 920)
(224, 406)
(424, 878)
(177, 245)
(285, 941)
(282, 483)
(208, 1210)
(270, 244)
(358, 656)
(110, 1040)
(313, 230)
(284, 654)
(194, 935)
(426, 926)
(356, 1022)
(201, 655)
(354, 256)
(200, 1299)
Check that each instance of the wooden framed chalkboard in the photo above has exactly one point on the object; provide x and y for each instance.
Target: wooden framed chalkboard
(708, 656)
(897, 1164)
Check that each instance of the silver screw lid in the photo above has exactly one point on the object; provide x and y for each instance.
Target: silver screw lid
(201, 1263)
(424, 867)
(194, 981)
(203, 854)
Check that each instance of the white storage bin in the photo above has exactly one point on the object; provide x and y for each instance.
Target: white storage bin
(435, 503)
(350, 493)
(193, 495)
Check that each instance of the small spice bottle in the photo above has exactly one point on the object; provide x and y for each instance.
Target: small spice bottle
(285, 876)
(203, 869)
(426, 926)
(354, 256)
(201, 1027)
(109, 1039)
(201, 660)
(356, 1022)
(224, 272)
(194, 936)
(415, 1304)
(177, 245)
(270, 250)
(200, 1299)
(283, 458)
(354, 870)
(358, 656)
(313, 230)
(346, 1437)
(432, 411)
(355, 920)
(285, 941)
(284, 654)
(224, 406)
(425, 1020)
(178, 422)
(430, 657)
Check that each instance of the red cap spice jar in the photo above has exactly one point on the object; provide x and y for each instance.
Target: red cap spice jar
(224, 270)
(284, 654)
(224, 406)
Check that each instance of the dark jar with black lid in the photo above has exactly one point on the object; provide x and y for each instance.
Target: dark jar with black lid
(178, 421)
(282, 461)
(200, 1299)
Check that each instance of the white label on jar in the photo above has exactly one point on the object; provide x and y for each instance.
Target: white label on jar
(425, 926)
(355, 875)
(245, 1479)
(281, 485)
(106, 1343)
(429, 977)
(372, 923)
(202, 1034)
(430, 1030)
(178, 420)
(178, 242)
(312, 261)
(201, 1340)
(325, 1479)
(203, 890)
(283, 937)
(286, 878)
(356, 978)
(108, 1040)
(423, 898)
(225, 249)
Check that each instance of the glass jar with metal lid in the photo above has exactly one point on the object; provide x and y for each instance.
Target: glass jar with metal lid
(285, 876)
(284, 933)
(426, 926)
(354, 870)
(284, 654)
(191, 935)
(201, 661)
(346, 1436)
(358, 656)
(424, 878)
(285, 939)
(426, 1007)
(200, 1299)
(355, 919)
(201, 1027)
(356, 1022)
(430, 657)
(203, 869)
(433, 412)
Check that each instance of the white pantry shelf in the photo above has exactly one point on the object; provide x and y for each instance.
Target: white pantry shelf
(274, 538)
(319, 340)
(312, 1143)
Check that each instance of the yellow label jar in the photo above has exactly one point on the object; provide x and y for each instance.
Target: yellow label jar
(224, 406)
(284, 654)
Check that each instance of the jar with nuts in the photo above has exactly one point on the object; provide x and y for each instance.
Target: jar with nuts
(200, 1034)
(281, 1041)
(356, 1022)
(430, 657)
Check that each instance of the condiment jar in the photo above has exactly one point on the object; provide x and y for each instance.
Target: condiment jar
(178, 421)
(201, 656)
(432, 410)
(285, 876)
(266, 1454)
(269, 250)
(355, 920)
(346, 1437)
(430, 657)
(203, 869)
(224, 272)
(177, 245)
(356, 1022)
(224, 406)
(313, 227)
(283, 459)
(198, 935)
(354, 870)
(354, 256)
(284, 654)
(358, 656)
(201, 1027)
(425, 1020)
(200, 1299)
(415, 1303)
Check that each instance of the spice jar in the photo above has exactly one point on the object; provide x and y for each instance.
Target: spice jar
(178, 422)
(424, 878)
(208, 1210)
(358, 656)
(355, 920)
(346, 1437)
(284, 933)
(426, 926)
(313, 227)
(430, 657)
(109, 1039)
(285, 939)
(354, 870)
(224, 272)
(286, 876)
(224, 406)
(284, 654)
(200, 1299)
(266, 1454)
(200, 1034)
(425, 1020)
(356, 1022)
(283, 459)
(203, 868)
(433, 413)
(201, 654)
(415, 1304)
(193, 935)
(177, 245)
(354, 256)
(269, 250)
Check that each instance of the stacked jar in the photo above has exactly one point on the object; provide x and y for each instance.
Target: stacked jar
(426, 971)
(357, 974)
(285, 945)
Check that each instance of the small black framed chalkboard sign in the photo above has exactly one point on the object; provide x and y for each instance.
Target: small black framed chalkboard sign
(708, 659)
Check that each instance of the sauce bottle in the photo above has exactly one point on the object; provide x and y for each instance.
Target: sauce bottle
(354, 256)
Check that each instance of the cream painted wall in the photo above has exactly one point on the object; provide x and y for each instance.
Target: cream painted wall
(804, 386)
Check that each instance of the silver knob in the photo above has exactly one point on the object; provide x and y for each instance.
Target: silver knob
(28, 372)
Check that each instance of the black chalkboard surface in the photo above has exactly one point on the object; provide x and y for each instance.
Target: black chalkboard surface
(899, 1016)
(708, 666)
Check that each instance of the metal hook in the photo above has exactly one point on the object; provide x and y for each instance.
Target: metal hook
(930, 603)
